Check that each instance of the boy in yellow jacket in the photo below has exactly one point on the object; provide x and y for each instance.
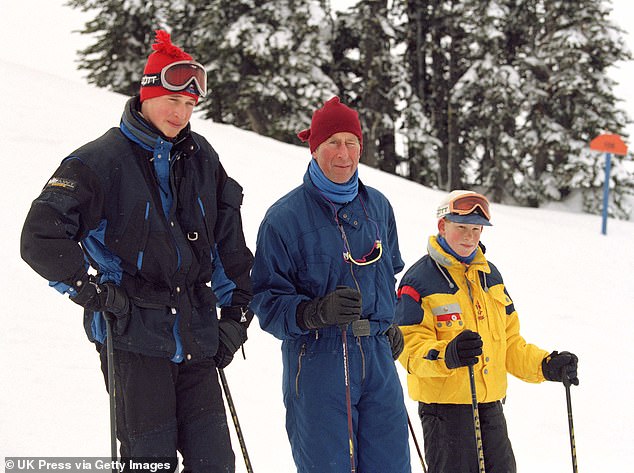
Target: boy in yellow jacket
(454, 311)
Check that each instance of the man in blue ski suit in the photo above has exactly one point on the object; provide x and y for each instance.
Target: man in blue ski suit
(326, 258)
(151, 208)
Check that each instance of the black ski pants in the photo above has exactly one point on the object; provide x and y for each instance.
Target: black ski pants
(449, 435)
(164, 407)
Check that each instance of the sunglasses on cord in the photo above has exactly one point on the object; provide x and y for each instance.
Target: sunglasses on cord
(371, 256)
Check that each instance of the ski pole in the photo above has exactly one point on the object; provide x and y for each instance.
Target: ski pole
(476, 421)
(236, 423)
(111, 390)
(346, 376)
(420, 455)
(571, 429)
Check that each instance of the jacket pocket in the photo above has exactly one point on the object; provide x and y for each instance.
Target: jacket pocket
(232, 194)
(448, 320)
(499, 307)
(149, 331)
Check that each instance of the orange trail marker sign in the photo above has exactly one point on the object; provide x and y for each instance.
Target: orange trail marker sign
(609, 144)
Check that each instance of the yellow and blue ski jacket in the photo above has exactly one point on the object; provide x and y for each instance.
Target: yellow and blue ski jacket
(438, 298)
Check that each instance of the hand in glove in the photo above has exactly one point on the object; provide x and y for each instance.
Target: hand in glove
(397, 343)
(232, 333)
(561, 367)
(244, 315)
(106, 297)
(340, 307)
(463, 350)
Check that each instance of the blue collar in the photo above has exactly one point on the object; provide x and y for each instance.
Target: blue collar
(463, 259)
(338, 193)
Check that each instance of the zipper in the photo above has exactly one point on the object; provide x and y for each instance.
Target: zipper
(466, 278)
(144, 237)
(302, 352)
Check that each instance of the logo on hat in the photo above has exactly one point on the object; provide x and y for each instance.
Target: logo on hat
(151, 79)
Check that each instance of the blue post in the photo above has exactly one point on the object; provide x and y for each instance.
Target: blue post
(606, 192)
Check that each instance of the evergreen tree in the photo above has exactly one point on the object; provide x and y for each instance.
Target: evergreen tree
(422, 148)
(123, 30)
(266, 63)
(375, 88)
(499, 95)
(489, 98)
(569, 96)
(438, 55)
(512, 91)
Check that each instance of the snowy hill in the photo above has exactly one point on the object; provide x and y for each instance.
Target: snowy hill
(571, 285)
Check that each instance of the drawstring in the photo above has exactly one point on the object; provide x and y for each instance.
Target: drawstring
(449, 281)
(481, 275)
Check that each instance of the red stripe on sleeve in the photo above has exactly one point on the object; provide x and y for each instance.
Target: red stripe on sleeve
(410, 291)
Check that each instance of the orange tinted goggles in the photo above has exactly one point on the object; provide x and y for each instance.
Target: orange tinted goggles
(466, 204)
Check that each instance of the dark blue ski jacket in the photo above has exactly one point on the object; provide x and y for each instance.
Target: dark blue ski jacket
(300, 256)
(160, 219)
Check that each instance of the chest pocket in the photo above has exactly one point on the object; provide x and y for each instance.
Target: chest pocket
(448, 320)
(499, 307)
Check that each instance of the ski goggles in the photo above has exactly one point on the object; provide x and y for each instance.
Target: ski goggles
(464, 205)
(188, 76)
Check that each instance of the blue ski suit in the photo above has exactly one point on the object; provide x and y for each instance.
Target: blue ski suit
(298, 258)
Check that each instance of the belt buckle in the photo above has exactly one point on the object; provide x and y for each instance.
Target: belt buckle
(361, 328)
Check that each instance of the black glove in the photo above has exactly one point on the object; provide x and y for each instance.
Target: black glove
(108, 298)
(339, 307)
(244, 315)
(561, 367)
(463, 350)
(231, 336)
(397, 343)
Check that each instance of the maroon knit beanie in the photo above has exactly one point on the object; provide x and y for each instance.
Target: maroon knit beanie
(164, 53)
(333, 117)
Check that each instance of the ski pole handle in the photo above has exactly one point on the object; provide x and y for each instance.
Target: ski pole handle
(564, 377)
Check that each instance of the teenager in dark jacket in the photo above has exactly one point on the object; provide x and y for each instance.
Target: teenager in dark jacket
(327, 254)
(150, 208)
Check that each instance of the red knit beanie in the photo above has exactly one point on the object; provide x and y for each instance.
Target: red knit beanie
(164, 53)
(333, 117)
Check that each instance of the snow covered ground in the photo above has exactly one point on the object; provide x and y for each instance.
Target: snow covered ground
(567, 281)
